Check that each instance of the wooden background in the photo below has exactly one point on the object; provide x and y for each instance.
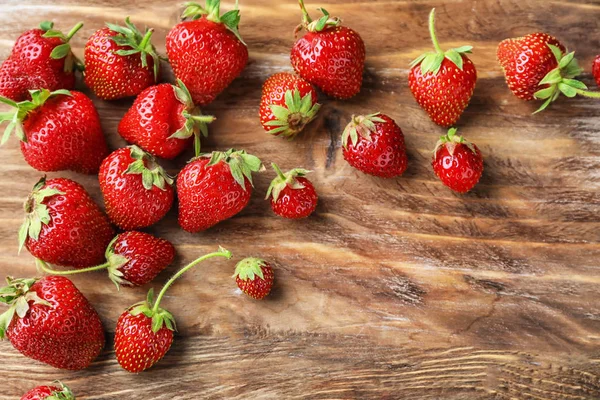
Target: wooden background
(393, 289)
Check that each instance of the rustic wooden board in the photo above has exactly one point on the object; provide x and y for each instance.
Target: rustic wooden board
(394, 288)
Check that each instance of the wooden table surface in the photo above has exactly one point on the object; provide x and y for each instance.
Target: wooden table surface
(395, 289)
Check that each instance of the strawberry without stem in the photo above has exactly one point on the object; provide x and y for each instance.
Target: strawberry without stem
(457, 162)
(254, 277)
(292, 195)
(58, 391)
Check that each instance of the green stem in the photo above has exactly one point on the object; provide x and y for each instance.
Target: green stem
(44, 267)
(73, 31)
(207, 119)
(279, 173)
(305, 17)
(585, 93)
(197, 144)
(146, 39)
(8, 102)
(221, 253)
(432, 31)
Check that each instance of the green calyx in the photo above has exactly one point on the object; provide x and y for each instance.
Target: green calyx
(249, 268)
(62, 50)
(146, 166)
(240, 163)
(195, 122)
(297, 113)
(282, 180)
(231, 19)
(17, 295)
(560, 80)
(16, 117)
(63, 393)
(130, 36)
(36, 213)
(450, 140)
(432, 61)
(362, 125)
(324, 22)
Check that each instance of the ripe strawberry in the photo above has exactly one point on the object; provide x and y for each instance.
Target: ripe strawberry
(58, 391)
(207, 52)
(457, 162)
(213, 189)
(292, 195)
(40, 59)
(287, 105)
(137, 191)
(443, 82)
(329, 55)
(144, 331)
(132, 259)
(58, 131)
(120, 61)
(49, 320)
(596, 69)
(63, 225)
(163, 120)
(254, 277)
(374, 144)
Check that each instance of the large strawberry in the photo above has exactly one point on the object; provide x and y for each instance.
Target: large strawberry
(536, 67)
(207, 52)
(457, 162)
(441, 81)
(58, 391)
(144, 331)
(254, 277)
(329, 55)
(374, 144)
(214, 187)
(132, 259)
(49, 320)
(292, 195)
(63, 225)
(137, 191)
(40, 59)
(163, 119)
(287, 104)
(58, 131)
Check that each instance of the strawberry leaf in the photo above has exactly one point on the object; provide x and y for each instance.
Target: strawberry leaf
(60, 51)
(249, 268)
(455, 57)
(282, 181)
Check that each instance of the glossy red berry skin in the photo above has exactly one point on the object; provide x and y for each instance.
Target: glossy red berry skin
(137, 348)
(384, 155)
(206, 56)
(64, 134)
(40, 393)
(68, 334)
(460, 170)
(332, 59)
(258, 288)
(296, 203)
(596, 69)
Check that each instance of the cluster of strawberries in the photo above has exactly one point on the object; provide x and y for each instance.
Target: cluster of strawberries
(49, 319)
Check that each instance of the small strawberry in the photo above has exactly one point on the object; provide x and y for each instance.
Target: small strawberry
(443, 82)
(596, 69)
(207, 52)
(163, 119)
(254, 277)
(132, 259)
(536, 67)
(457, 162)
(144, 331)
(49, 320)
(120, 61)
(214, 187)
(292, 195)
(40, 59)
(287, 105)
(58, 391)
(374, 144)
(330, 56)
(137, 191)
(63, 225)
(58, 131)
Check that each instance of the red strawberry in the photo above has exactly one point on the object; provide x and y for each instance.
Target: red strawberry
(596, 69)
(40, 59)
(374, 144)
(49, 320)
(63, 225)
(137, 191)
(329, 55)
(163, 120)
(292, 195)
(132, 259)
(288, 103)
(443, 82)
(207, 52)
(144, 331)
(120, 61)
(254, 277)
(213, 189)
(457, 162)
(58, 131)
(58, 391)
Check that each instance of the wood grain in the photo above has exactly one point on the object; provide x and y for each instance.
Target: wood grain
(394, 289)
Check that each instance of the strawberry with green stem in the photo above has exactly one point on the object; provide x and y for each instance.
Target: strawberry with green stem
(292, 195)
(58, 391)
(254, 277)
